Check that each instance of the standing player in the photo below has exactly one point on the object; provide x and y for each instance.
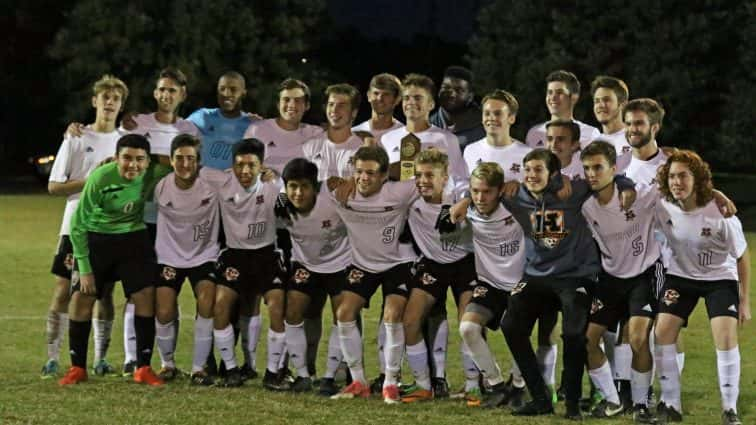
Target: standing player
(562, 94)
(187, 248)
(710, 260)
(610, 96)
(378, 208)
(110, 243)
(221, 127)
(458, 112)
(499, 113)
(383, 95)
(77, 157)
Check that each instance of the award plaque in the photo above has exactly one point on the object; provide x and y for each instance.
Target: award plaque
(410, 147)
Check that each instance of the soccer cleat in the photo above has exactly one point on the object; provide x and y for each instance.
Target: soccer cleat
(129, 368)
(301, 384)
(643, 415)
(391, 394)
(74, 375)
(275, 382)
(535, 407)
(473, 398)
(517, 397)
(561, 393)
(201, 378)
(625, 395)
(211, 366)
(285, 375)
(247, 372)
(414, 394)
(497, 397)
(50, 369)
(572, 411)
(440, 387)
(666, 414)
(606, 409)
(168, 373)
(376, 386)
(354, 390)
(102, 368)
(232, 379)
(328, 387)
(145, 375)
(587, 404)
(729, 417)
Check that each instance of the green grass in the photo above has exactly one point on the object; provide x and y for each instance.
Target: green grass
(29, 225)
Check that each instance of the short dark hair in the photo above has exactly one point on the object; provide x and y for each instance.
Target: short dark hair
(234, 75)
(459, 72)
(135, 141)
(300, 169)
(249, 146)
(386, 81)
(183, 140)
(347, 90)
(422, 81)
(503, 96)
(174, 74)
(545, 155)
(614, 84)
(568, 124)
(291, 84)
(600, 147)
(566, 77)
(652, 108)
(373, 153)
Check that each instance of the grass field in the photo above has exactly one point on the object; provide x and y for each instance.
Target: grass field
(28, 229)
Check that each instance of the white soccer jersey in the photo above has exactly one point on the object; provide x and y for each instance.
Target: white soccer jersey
(446, 248)
(188, 220)
(434, 137)
(623, 148)
(375, 223)
(508, 157)
(377, 134)
(625, 238)
(76, 158)
(499, 243)
(536, 137)
(332, 159)
(281, 146)
(249, 221)
(575, 169)
(704, 245)
(641, 171)
(319, 239)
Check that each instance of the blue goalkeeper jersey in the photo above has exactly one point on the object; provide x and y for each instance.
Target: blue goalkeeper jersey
(218, 135)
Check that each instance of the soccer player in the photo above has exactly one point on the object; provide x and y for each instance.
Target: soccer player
(562, 94)
(76, 158)
(499, 244)
(417, 103)
(384, 94)
(320, 254)
(247, 267)
(610, 96)
(110, 243)
(221, 127)
(187, 248)
(447, 261)
(378, 208)
(458, 112)
(563, 140)
(499, 113)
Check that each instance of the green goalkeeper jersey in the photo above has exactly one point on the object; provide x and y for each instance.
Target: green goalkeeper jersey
(110, 204)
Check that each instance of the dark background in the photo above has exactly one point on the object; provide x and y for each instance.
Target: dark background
(696, 57)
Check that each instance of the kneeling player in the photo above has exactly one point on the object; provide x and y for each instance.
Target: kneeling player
(709, 260)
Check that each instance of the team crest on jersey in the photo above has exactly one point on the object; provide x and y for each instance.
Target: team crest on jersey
(231, 274)
(301, 276)
(90, 149)
(671, 296)
(326, 224)
(480, 292)
(595, 223)
(427, 279)
(168, 273)
(629, 215)
(540, 143)
(417, 210)
(396, 149)
(318, 156)
(355, 276)
(260, 199)
(669, 222)
(518, 288)
(68, 262)
(706, 231)
(389, 208)
(271, 144)
(515, 168)
(626, 149)
(508, 221)
(204, 202)
(596, 306)
(350, 161)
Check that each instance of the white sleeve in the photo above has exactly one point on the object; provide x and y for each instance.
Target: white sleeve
(62, 166)
(250, 131)
(457, 165)
(734, 236)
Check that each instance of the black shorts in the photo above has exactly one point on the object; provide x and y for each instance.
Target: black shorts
(315, 284)
(616, 299)
(394, 281)
(249, 271)
(681, 295)
(493, 299)
(173, 277)
(63, 261)
(434, 278)
(128, 257)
